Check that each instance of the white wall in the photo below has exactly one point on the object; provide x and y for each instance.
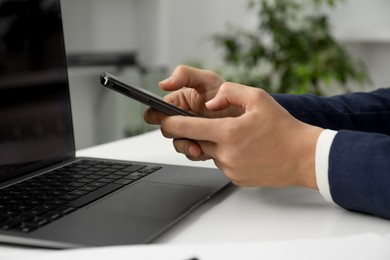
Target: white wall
(166, 32)
(189, 24)
(362, 20)
(99, 25)
(364, 27)
(170, 32)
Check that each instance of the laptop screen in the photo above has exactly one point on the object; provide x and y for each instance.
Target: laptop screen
(35, 115)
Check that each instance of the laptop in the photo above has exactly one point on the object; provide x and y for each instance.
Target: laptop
(48, 197)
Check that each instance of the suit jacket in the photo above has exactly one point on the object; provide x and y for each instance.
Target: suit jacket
(359, 159)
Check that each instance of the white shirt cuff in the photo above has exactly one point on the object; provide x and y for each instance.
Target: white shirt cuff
(324, 143)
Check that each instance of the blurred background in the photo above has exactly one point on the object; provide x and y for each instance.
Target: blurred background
(143, 40)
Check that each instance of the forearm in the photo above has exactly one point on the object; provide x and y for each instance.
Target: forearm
(358, 111)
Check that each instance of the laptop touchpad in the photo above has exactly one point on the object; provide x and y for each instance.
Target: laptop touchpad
(151, 199)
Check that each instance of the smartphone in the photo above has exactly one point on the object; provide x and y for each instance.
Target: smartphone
(142, 95)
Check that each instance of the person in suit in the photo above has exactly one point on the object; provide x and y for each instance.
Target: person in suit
(338, 145)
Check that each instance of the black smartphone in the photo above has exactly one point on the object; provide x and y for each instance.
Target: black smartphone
(142, 95)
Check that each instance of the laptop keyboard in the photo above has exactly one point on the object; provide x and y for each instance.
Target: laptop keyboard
(36, 202)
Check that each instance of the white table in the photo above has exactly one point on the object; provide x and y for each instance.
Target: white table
(237, 214)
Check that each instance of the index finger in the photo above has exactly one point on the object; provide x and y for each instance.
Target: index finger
(184, 76)
(153, 116)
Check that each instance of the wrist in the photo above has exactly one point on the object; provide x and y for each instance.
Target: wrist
(307, 156)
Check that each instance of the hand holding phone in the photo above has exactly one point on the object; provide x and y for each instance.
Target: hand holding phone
(142, 95)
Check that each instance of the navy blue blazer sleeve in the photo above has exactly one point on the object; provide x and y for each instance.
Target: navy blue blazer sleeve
(359, 159)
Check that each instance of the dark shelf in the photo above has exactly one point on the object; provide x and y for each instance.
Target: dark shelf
(102, 59)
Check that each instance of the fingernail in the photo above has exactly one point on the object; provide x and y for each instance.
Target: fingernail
(210, 102)
(166, 81)
(193, 151)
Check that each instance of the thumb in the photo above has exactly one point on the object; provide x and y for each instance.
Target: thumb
(230, 94)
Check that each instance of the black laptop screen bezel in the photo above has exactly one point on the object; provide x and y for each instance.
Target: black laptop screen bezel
(59, 74)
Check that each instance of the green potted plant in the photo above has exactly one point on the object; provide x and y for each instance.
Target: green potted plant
(291, 50)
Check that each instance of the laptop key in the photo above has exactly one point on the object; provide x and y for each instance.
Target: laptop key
(26, 228)
(105, 180)
(52, 216)
(3, 217)
(88, 188)
(131, 177)
(11, 213)
(94, 195)
(133, 168)
(97, 184)
(57, 202)
(25, 217)
(37, 211)
(64, 210)
(6, 225)
(38, 222)
(78, 192)
(69, 197)
(123, 182)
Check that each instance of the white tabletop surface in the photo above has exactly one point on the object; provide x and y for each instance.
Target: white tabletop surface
(237, 214)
